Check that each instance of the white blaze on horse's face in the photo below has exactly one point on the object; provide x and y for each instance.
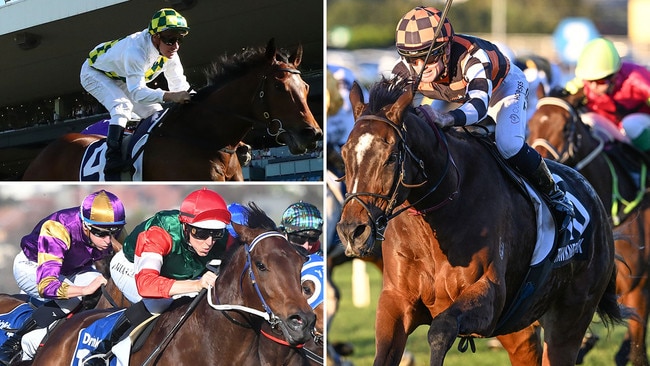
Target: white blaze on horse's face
(363, 145)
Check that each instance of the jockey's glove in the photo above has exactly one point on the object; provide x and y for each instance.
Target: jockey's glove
(431, 115)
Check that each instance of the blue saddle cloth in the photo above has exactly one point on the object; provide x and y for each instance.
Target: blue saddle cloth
(90, 337)
(14, 319)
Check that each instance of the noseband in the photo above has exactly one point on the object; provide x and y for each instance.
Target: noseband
(380, 223)
(259, 97)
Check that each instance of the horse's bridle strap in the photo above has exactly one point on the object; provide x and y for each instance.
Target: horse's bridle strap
(279, 340)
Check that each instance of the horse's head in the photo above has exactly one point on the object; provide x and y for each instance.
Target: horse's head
(380, 167)
(289, 118)
(266, 277)
(554, 130)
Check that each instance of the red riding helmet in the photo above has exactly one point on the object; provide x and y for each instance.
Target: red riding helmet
(205, 209)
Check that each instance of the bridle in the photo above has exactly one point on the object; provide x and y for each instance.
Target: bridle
(258, 97)
(274, 321)
(571, 137)
(267, 314)
(380, 223)
(267, 121)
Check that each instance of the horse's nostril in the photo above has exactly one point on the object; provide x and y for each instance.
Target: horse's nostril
(359, 231)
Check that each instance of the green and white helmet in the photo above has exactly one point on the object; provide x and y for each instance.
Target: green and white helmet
(598, 60)
(168, 18)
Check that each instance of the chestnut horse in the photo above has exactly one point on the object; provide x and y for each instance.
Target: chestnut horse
(460, 265)
(558, 132)
(255, 315)
(257, 88)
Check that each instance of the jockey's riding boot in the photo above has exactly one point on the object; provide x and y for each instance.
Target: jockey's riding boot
(557, 201)
(12, 346)
(114, 162)
(130, 318)
(542, 179)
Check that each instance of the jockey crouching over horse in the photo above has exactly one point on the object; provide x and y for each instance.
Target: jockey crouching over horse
(198, 139)
(116, 74)
(443, 63)
(55, 266)
(615, 94)
(473, 269)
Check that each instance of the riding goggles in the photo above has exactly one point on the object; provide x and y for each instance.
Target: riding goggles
(104, 232)
(301, 239)
(606, 80)
(202, 234)
(170, 41)
(434, 56)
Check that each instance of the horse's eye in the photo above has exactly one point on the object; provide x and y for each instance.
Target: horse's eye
(392, 158)
(306, 290)
(260, 266)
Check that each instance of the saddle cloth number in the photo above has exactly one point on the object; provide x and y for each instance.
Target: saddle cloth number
(93, 162)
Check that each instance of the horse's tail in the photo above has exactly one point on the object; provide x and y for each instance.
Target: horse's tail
(610, 311)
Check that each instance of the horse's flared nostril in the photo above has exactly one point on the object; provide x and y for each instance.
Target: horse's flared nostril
(359, 231)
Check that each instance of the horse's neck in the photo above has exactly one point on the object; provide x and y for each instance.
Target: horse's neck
(443, 160)
(221, 119)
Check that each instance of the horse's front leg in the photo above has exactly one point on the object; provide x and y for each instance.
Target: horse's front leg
(394, 321)
(472, 312)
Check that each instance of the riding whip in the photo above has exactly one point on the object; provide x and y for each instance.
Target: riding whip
(156, 353)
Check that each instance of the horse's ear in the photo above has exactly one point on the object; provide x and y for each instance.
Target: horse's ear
(243, 232)
(270, 49)
(398, 108)
(296, 58)
(356, 99)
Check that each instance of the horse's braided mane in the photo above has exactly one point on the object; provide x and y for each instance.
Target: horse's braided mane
(229, 67)
(386, 91)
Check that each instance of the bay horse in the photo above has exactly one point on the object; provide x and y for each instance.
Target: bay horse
(256, 88)
(459, 262)
(557, 131)
(255, 315)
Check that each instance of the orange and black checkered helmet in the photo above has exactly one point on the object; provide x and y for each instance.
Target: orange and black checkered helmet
(414, 32)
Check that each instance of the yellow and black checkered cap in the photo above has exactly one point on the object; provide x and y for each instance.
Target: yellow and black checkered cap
(167, 19)
(415, 30)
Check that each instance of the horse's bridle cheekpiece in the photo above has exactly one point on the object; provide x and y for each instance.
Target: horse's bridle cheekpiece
(380, 223)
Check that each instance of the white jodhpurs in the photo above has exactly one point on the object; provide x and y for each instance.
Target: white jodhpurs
(507, 108)
(114, 95)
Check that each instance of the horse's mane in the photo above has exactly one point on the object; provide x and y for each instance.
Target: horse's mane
(257, 218)
(386, 91)
(229, 67)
